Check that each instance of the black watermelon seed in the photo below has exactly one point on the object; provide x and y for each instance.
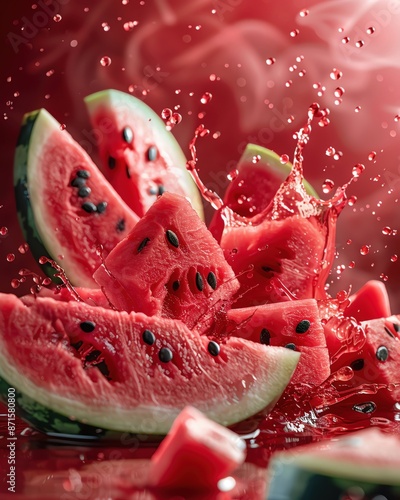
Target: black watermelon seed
(165, 355)
(152, 153)
(84, 191)
(112, 162)
(83, 174)
(103, 368)
(291, 346)
(127, 135)
(77, 345)
(148, 337)
(89, 207)
(120, 225)
(267, 269)
(265, 336)
(389, 332)
(172, 238)
(212, 280)
(357, 365)
(213, 348)
(396, 326)
(128, 172)
(382, 353)
(92, 356)
(175, 285)
(142, 244)
(199, 282)
(303, 326)
(366, 408)
(161, 190)
(101, 207)
(87, 326)
(78, 182)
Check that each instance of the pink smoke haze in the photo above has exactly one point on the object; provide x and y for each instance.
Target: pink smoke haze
(264, 63)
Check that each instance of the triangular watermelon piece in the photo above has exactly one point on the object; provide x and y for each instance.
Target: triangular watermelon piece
(169, 265)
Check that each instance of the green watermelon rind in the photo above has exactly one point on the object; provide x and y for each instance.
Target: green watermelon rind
(269, 160)
(115, 99)
(25, 211)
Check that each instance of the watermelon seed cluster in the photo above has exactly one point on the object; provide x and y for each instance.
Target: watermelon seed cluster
(79, 182)
(165, 354)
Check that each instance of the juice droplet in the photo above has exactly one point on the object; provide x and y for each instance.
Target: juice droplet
(129, 25)
(206, 98)
(270, 61)
(327, 186)
(294, 33)
(10, 257)
(352, 200)
(384, 277)
(387, 231)
(370, 30)
(372, 155)
(304, 13)
(290, 119)
(57, 18)
(336, 74)
(105, 26)
(342, 295)
(63, 126)
(105, 61)
(397, 118)
(23, 248)
(352, 265)
(166, 113)
(364, 250)
(15, 283)
(357, 109)
(256, 159)
(288, 83)
(3, 231)
(359, 43)
(339, 91)
(176, 118)
(346, 39)
(330, 151)
(358, 169)
(284, 159)
(232, 174)
(394, 258)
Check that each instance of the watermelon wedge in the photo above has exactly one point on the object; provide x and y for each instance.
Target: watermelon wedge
(366, 461)
(140, 157)
(169, 265)
(295, 325)
(66, 207)
(196, 454)
(371, 301)
(127, 372)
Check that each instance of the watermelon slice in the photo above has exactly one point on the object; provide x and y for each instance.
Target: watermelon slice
(295, 325)
(371, 301)
(366, 461)
(169, 265)
(260, 173)
(67, 209)
(127, 372)
(140, 157)
(196, 454)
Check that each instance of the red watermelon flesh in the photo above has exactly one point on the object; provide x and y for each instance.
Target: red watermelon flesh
(170, 265)
(371, 301)
(90, 296)
(295, 325)
(129, 372)
(292, 241)
(372, 350)
(196, 454)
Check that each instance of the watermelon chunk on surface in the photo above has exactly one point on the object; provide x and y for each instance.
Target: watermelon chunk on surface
(196, 454)
(66, 207)
(169, 265)
(140, 157)
(127, 372)
(371, 301)
(295, 325)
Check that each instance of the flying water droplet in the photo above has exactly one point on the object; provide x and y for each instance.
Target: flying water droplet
(394, 258)
(345, 39)
(166, 113)
(372, 155)
(387, 231)
(284, 159)
(57, 18)
(360, 43)
(336, 74)
(105, 26)
(357, 170)
(294, 33)
(105, 61)
(3, 231)
(304, 13)
(206, 98)
(339, 91)
(370, 30)
(327, 186)
(256, 159)
(270, 61)
(232, 174)
(364, 250)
